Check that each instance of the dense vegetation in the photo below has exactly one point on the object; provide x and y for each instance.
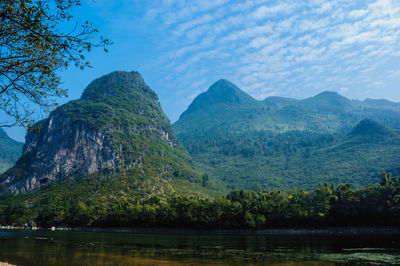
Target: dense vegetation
(154, 183)
(286, 143)
(95, 202)
(255, 159)
(119, 106)
(10, 150)
(120, 99)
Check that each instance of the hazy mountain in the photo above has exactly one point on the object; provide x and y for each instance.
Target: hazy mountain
(370, 129)
(276, 101)
(10, 150)
(223, 102)
(222, 92)
(117, 129)
(283, 142)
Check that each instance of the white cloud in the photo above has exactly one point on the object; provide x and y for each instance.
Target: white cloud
(358, 13)
(378, 84)
(271, 11)
(249, 32)
(326, 6)
(192, 23)
(286, 46)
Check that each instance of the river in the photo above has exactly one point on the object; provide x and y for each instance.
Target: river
(43, 247)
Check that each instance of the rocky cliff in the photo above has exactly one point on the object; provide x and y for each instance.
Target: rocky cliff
(118, 124)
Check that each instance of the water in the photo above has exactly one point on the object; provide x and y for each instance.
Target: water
(24, 247)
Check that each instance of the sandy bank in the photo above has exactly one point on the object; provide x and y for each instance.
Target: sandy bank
(6, 264)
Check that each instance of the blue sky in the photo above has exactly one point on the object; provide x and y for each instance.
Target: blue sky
(286, 48)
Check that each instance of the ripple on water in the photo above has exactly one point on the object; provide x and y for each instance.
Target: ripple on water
(371, 258)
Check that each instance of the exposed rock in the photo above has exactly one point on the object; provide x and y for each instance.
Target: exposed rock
(110, 127)
(63, 150)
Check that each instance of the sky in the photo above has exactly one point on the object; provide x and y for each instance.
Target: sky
(285, 48)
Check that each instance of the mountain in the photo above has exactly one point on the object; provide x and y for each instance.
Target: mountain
(116, 130)
(222, 92)
(10, 150)
(222, 102)
(276, 101)
(371, 129)
(283, 143)
(382, 103)
(331, 98)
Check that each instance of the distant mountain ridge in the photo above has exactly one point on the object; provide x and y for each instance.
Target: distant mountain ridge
(279, 101)
(284, 142)
(327, 112)
(10, 150)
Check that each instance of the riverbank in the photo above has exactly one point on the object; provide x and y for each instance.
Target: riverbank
(379, 230)
(273, 231)
(53, 228)
(6, 264)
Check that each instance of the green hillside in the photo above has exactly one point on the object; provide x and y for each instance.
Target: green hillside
(10, 150)
(115, 137)
(286, 143)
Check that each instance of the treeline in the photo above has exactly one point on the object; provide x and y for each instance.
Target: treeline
(327, 205)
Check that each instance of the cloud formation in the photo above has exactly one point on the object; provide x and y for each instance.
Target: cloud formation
(289, 48)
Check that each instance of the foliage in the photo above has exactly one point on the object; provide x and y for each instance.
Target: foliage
(119, 99)
(112, 202)
(286, 143)
(35, 44)
(129, 109)
(123, 109)
(248, 160)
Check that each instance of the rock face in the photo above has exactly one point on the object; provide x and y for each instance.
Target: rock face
(64, 150)
(113, 126)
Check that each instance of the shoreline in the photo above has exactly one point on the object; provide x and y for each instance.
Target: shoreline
(270, 231)
(343, 230)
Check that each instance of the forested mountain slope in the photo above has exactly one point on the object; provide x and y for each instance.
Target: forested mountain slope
(283, 142)
(115, 137)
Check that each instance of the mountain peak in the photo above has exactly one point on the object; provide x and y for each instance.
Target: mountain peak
(225, 91)
(117, 84)
(221, 92)
(222, 84)
(329, 95)
(118, 124)
(328, 99)
(369, 127)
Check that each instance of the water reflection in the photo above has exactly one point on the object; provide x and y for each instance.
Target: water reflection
(99, 248)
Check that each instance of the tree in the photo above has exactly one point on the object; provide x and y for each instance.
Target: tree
(205, 179)
(33, 49)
